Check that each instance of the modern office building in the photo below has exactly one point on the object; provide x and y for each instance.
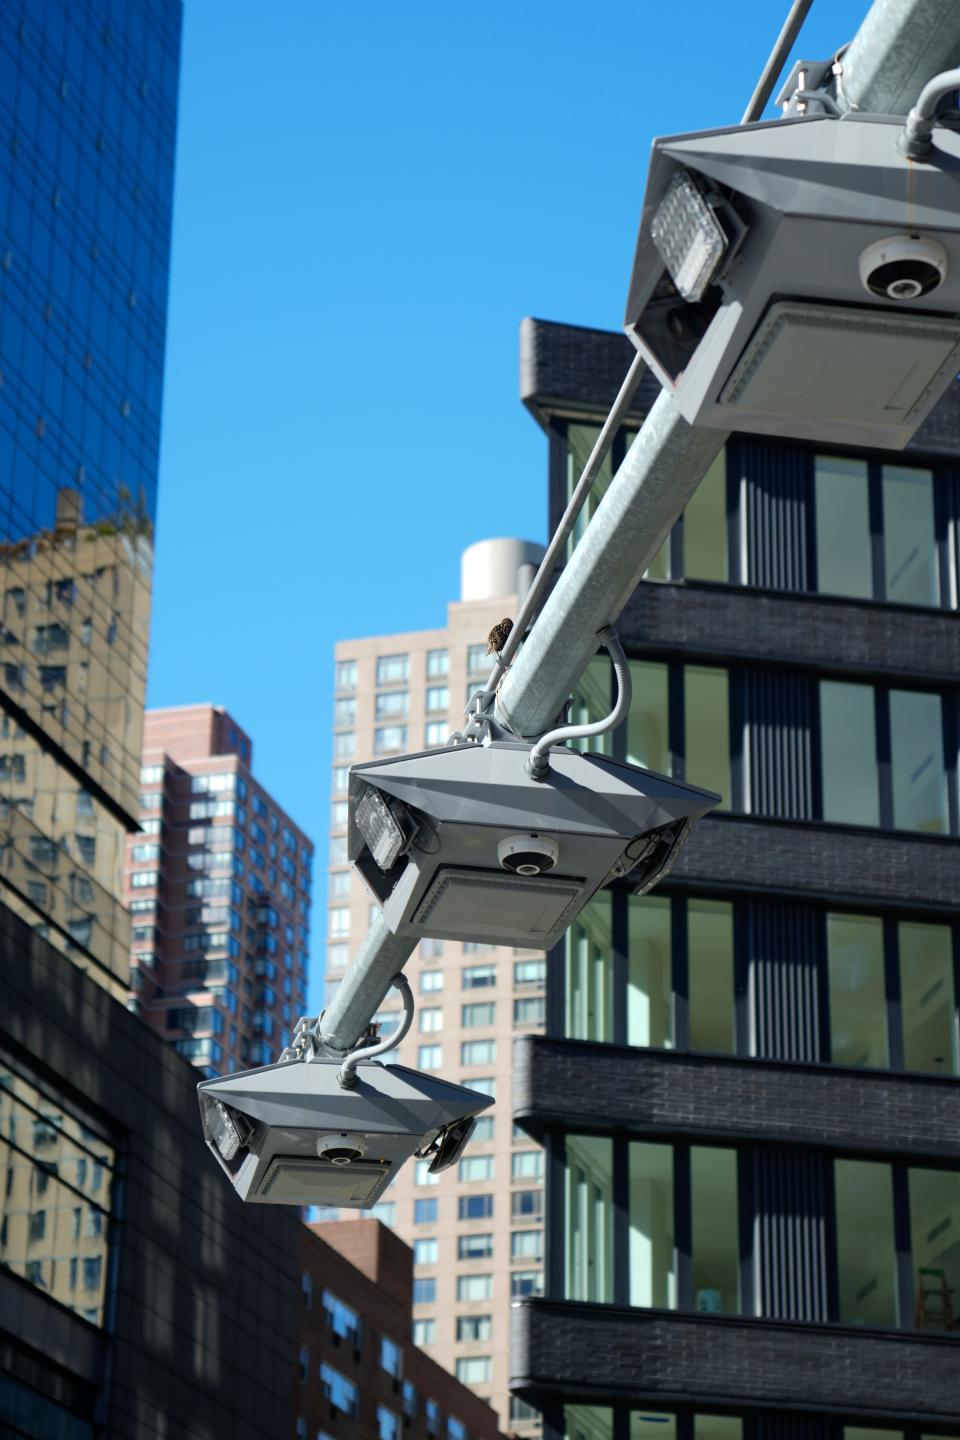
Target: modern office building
(476, 1232)
(358, 1372)
(218, 883)
(137, 1297)
(748, 1088)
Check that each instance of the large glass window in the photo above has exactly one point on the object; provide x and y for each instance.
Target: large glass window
(916, 756)
(705, 526)
(587, 1422)
(592, 702)
(848, 739)
(715, 1255)
(927, 1000)
(866, 1253)
(649, 983)
(842, 501)
(935, 1246)
(652, 1267)
(706, 706)
(909, 538)
(580, 441)
(589, 972)
(710, 1007)
(648, 741)
(589, 1218)
(858, 1003)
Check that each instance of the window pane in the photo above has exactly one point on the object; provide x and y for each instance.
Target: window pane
(717, 1427)
(934, 1222)
(707, 721)
(865, 1248)
(927, 999)
(592, 702)
(649, 1424)
(858, 1010)
(589, 1218)
(705, 526)
(710, 975)
(649, 986)
(916, 754)
(848, 741)
(909, 541)
(652, 1273)
(589, 972)
(844, 563)
(580, 441)
(716, 1254)
(587, 1422)
(647, 740)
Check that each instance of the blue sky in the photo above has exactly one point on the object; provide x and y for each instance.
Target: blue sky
(369, 198)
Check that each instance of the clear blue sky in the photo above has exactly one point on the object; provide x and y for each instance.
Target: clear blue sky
(370, 195)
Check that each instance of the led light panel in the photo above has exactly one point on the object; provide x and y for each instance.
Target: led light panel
(379, 829)
(688, 236)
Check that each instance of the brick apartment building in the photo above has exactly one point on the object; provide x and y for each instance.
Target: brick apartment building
(359, 1374)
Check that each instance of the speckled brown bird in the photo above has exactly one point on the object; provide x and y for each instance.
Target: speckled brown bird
(498, 636)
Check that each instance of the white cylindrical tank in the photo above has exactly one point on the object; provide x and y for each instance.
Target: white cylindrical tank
(492, 568)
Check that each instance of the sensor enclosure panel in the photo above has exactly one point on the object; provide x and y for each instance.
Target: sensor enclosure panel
(282, 1110)
(811, 193)
(465, 800)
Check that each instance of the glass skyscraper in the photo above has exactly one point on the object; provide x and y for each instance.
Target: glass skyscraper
(88, 95)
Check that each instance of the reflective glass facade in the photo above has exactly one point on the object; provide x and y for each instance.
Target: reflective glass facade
(87, 127)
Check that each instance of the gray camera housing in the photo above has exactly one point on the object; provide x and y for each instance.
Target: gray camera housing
(458, 804)
(788, 340)
(305, 1140)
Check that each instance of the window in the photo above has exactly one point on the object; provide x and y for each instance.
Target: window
(474, 1369)
(432, 1413)
(456, 1430)
(527, 1165)
(385, 1211)
(340, 1319)
(438, 698)
(391, 1358)
(858, 1004)
(344, 744)
(388, 1424)
(345, 712)
(436, 732)
(424, 1291)
(346, 675)
(431, 948)
(478, 977)
(710, 1008)
(934, 1198)
(525, 1282)
(151, 774)
(341, 778)
(389, 737)
(425, 1252)
(483, 1130)
(706, 712)
(474, 1287)
(475, 1247)
(392, 669)
(588, 1209)
(424, 1332)
(715, 1254)
(476, 1167)
(530, 1011)
(927, 1000)
(431, 982)
(526, 1245)
(474, 1016)
(647, 732)
(842, 505)
(704, 526)
(866, 1253)
(430, 1057)
(475, 1207)
(478, 1052)
(431, 1019)
(478, 661)
(391, 702)
(471, 1328)
(525, 1204)
(339, 920)
(338, 1390)
(916, 753)
(425, 1212)
(423, 1174)
(529, 972)
(849, 753)
(909, 540)
(438, 664)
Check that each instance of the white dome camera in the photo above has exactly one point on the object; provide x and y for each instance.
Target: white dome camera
(903, 267)
(528, 854)
(341, 1149)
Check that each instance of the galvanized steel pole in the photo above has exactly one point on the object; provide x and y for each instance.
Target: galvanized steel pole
(899, 47)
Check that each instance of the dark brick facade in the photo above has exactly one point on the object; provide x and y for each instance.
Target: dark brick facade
(602, 1353)
(202, 1329)
(566, 1084)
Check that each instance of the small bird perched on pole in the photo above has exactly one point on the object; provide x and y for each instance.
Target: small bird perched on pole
(498, 636)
